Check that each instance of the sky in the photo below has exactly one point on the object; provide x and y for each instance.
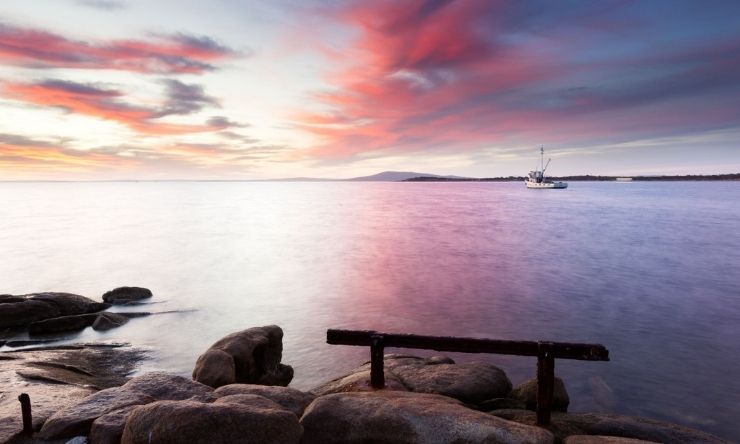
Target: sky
(237, 89)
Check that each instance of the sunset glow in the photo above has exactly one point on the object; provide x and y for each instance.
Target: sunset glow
(120, 89)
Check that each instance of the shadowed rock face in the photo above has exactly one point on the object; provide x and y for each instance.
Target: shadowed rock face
(527, 393)
(20, 311)
(195, 422)
(404, 417)
(250, 356)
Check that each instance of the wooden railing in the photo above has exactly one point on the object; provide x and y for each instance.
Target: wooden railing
(546, 353)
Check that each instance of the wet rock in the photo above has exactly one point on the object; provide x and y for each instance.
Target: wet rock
(527, 393)
(78, 418)
(290, 399)
(123, 295)
(163, 386)
(62, 324)
(250, 356)
(170, 421)
(403, 417)
(564, 425)
(20, 311)
(107, 321)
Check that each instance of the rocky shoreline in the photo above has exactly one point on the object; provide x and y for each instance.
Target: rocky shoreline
(239, 393)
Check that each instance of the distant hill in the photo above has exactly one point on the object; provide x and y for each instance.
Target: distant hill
(397, 176)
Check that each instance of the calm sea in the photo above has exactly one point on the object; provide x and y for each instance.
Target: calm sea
(650, 270)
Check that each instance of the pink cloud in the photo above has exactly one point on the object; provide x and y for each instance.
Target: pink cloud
(458, 76)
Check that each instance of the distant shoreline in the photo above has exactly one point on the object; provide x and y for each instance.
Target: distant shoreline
(425, 178)
(588, 178)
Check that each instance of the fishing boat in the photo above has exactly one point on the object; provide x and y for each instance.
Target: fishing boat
(537, 180)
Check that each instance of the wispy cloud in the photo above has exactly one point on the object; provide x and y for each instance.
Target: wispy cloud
(107, 103)
(105, 5)
(168, 54)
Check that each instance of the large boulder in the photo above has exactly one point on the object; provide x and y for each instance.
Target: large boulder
(290, 399)
(404, 417)
(250, 356)
(76, 419)
(470, 382)
(527, 393)
(20, 311)
(564, 425)
(357, 381)
(196, 422)
(166, 387)
(108, 428)
(126, 295)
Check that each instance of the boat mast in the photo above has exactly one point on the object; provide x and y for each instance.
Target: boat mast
(542, 162)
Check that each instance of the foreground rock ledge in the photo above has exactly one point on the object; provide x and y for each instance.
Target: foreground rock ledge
(407, 418)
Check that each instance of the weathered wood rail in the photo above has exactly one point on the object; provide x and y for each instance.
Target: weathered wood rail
(546, 353)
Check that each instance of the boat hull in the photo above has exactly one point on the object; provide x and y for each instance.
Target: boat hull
(547, 185)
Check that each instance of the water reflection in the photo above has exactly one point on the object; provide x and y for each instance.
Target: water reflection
(646, 269)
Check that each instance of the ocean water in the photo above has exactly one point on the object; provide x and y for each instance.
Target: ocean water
(650, 270)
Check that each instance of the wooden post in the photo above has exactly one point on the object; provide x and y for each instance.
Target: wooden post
(26, 413)
(377, 373)
(545, 382)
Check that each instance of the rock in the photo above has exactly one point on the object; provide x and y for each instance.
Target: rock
(403, 417)
(62, 324)
(78, 418)
(249, 400)
(594, 439)
(564, 425)
(470, 382)
(250, 356)
(290, 399)
(108, 428)
(527, 393)
(163, 386)
(107, 321)
(123, 295)
(77, 440)
(76, 369)
(70, 304)
(358, 381)
(20, 311)
(501, 403)
(196, 422)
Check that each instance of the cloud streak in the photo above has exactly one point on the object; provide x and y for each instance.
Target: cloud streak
(108, 104)
(162, 54)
